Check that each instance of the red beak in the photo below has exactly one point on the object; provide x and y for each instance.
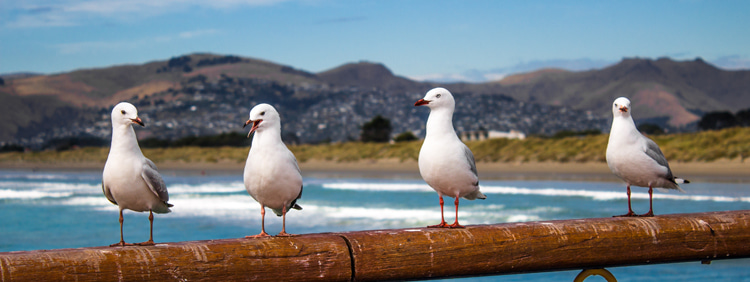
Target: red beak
(255, 125)
(624, 109)
(421, 102)
(138, 121)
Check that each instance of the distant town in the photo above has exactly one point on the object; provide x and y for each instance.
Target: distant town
(315, 114)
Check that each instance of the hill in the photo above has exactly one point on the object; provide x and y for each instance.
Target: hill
(367, 75)
(331, 105)
(679, 92)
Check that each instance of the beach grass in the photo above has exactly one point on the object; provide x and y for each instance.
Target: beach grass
(705, 146)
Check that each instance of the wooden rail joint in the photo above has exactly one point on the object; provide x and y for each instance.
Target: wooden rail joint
(413, 253)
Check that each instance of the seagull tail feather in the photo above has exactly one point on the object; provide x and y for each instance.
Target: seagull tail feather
(475, 195)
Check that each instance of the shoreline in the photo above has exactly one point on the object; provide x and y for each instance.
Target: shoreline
(717, 171)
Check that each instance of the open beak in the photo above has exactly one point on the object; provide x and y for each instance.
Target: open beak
(624, 109)
(138, 121)
(421, 102)
(255, 123)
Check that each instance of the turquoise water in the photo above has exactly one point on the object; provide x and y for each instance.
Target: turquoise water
(47, 210)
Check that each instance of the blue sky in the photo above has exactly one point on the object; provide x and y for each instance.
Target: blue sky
(437, 40)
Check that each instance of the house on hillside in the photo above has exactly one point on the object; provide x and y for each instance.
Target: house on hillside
(491, 134)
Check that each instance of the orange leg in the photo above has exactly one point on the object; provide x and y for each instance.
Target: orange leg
(122, 241)
(262, 224)
(630, 210)
(455, 224)
(650, 202)
(442, 224)
(150, 241)
(283, 224)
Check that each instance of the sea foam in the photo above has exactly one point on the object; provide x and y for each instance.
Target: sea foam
(552, 192)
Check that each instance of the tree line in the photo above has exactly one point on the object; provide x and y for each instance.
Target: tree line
(377, 130)
(724, 119)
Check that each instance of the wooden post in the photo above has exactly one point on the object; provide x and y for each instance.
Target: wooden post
(304, 258)
(548, 245)
(414, 253)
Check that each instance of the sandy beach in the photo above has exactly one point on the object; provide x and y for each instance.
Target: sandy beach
(718, 171)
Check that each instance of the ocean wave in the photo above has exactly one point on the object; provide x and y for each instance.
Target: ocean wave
(389, 187)
(244, 208)
(35, 176)
(606, 195)
(206, 188)
(52, 186)
(31, 194)
(553, 192)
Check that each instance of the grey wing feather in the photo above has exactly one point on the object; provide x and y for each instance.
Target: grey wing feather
(154, 181)
(653, 151)
(296, 165)
(294, 204)
(108, 194)
(470, 159)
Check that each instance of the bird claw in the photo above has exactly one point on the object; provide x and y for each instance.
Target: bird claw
(648, 214)
(629, 214)
(147, 243)
(121, 244)
(456, 225)
(284, 234)
(261, 235)
(441, 225)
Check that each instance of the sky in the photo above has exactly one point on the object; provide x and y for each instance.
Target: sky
(471, 41)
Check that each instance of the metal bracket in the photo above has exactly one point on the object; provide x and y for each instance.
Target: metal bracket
(589, 272)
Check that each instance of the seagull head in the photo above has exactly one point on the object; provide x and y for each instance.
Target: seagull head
(125, 113)
(621, 107)
(263, 116)
(437, 98)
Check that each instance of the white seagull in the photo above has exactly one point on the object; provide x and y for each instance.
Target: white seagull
(636, 159)
(272, 176)
(130, 180)
(445, 163)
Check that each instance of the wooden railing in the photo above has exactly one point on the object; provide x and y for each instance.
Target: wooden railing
(413, 253)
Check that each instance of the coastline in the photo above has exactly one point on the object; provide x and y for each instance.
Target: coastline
(717, 171)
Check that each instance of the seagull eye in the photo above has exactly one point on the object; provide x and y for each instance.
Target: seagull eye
(437, 96)
(263, 113)
(123, 112)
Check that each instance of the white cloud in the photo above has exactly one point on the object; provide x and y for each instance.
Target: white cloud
(44, 13)
(197, 33)
(94, 46)
(495, 76)
(733, 62)
(472, 76)
(440, 77)
(475, 75)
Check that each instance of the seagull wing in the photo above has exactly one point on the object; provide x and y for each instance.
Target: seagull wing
(294, 204)
(154, 181)
(472, 164)
(108, 193)
(653, 151)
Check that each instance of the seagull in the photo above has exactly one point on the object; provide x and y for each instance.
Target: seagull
(636, 159)
(130, 180)
(272, 176)
(445, 163)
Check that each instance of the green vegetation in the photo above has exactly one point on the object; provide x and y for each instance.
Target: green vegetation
(650, 129)
(376, 130)
(231, 139)
(703, 146)
(405, 137)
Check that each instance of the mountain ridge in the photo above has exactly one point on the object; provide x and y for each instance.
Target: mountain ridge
(677, 92)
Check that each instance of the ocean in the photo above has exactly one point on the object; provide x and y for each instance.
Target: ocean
(51, 210)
